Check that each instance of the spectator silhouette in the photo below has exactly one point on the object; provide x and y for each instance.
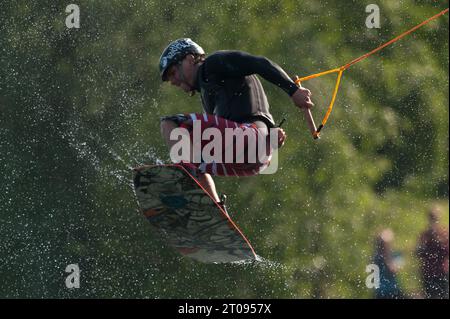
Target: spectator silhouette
(432, 252)
(384, 257)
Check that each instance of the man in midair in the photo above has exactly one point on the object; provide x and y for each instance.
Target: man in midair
(232, 97)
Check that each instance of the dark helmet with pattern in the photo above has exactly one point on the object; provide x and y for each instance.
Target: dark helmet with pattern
(175, 52)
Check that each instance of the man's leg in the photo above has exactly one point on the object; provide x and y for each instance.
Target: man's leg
(166, 127)
(207, 183)
(203, 178)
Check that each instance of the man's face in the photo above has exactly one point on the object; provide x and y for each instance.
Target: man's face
(182, 74)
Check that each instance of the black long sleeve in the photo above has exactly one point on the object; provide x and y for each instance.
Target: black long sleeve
(229, 64)
(230, 88)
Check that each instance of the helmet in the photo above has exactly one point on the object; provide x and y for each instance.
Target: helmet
(175, 52)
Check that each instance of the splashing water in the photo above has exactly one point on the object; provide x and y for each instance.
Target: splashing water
(261, 263)
(88, 147)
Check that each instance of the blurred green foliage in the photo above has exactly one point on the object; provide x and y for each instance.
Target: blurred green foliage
(80, 107)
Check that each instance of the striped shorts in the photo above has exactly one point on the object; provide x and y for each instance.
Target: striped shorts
(240, 154)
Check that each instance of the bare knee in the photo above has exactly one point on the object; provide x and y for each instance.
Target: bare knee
(167, 126)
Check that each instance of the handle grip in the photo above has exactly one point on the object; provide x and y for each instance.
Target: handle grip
(308, 116)
(310, 120)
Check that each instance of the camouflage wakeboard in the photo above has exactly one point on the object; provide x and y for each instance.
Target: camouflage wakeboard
(191, 221)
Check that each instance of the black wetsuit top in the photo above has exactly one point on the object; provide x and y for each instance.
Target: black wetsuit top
(230, 88)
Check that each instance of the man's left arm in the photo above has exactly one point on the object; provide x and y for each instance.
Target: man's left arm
(238, 64)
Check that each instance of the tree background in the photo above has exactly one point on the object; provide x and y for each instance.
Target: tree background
(80, 107)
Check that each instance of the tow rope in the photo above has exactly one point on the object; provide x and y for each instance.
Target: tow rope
(312, 126)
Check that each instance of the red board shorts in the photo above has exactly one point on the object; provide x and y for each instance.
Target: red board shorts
(245, 159)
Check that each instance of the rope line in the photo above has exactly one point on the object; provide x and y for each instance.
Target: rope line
(362, 57)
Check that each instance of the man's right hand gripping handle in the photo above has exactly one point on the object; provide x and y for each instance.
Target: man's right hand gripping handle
(302, 99)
